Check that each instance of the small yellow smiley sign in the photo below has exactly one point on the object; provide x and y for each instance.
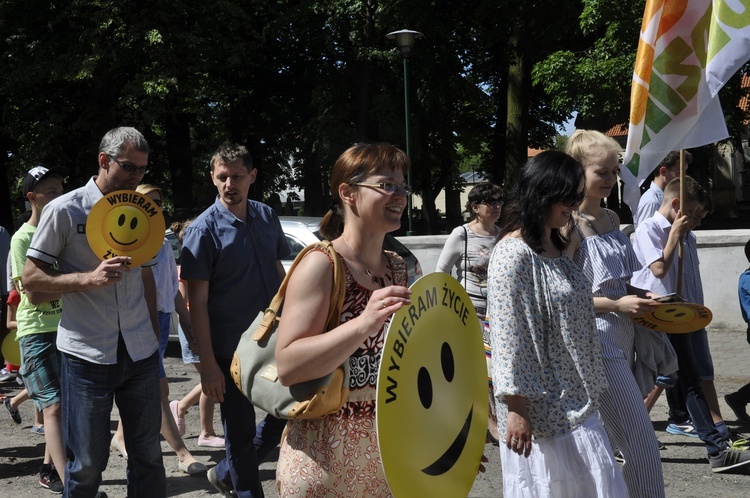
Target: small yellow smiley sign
(432, 404)
(125, 223)
(675, 318)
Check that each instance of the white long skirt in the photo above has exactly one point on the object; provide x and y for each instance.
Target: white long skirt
(577, 464)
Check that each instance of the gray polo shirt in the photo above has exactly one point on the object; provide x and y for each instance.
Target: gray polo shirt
(93, 320)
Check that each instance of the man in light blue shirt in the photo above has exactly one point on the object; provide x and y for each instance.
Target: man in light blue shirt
(668, 170)
(108, 330)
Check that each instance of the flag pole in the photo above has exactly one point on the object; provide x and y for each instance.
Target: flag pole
(682, 207)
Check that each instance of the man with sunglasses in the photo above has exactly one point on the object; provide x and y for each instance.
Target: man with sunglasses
(108, 331)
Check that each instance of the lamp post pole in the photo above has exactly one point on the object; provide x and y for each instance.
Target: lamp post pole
(405, 39)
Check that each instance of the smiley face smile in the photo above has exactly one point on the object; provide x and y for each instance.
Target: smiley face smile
(448, 459)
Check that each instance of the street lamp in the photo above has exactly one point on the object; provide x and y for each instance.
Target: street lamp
(405, 39)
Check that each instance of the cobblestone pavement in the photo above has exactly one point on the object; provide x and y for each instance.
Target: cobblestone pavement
(686, 469)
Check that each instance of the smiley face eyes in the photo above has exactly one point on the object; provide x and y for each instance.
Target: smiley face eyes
(672, 312)
(424, 380)
(446, 360)
(424, 387)
(122, 219)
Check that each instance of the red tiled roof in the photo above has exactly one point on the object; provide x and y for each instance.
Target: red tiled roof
(532, 152)
(620, 130)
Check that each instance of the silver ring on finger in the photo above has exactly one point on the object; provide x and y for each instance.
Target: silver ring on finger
(382, 301)
(514, 440)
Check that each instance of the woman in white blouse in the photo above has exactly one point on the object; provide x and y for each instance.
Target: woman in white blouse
(546, 363)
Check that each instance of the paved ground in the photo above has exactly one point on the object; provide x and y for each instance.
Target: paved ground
(686, 469)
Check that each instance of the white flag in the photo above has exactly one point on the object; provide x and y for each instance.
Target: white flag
(688, 50)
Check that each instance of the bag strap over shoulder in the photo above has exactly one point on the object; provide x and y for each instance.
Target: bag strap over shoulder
(337, 292)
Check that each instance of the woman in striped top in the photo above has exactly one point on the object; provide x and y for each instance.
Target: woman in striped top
(607, 258)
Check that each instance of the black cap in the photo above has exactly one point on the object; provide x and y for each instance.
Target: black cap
(39, 173)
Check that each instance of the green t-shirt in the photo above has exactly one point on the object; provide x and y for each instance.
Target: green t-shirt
(32, 319)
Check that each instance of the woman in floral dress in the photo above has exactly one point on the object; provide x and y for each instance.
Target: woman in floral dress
(546, 360)
(338, 455)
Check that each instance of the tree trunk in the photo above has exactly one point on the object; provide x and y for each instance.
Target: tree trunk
(315, 182)
(498, 144)
(516, 133)
(180, 161)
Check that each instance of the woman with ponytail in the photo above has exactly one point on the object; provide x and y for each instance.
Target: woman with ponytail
(338, 455)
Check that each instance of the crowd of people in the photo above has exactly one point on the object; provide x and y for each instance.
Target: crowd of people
(554, 283)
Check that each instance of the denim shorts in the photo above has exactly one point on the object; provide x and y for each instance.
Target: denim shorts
(40, 368)
(188, 357)
(702, 354)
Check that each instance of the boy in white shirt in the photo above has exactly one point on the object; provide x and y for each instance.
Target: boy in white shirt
(656, 245)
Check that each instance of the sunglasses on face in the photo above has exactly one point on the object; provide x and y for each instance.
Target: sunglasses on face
(491, 201)
(130, 168)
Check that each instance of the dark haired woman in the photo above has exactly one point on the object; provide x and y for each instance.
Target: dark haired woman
(468, 250)
(468, 247)
(546, 364)
(338, 455)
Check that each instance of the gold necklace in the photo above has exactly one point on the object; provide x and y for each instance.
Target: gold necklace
(377, 280)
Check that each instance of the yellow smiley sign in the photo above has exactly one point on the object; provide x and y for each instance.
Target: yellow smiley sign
(125, 223)
(432, 404)
(675, 318)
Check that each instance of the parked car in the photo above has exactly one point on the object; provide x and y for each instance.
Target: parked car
(174, 241)
(302, 231)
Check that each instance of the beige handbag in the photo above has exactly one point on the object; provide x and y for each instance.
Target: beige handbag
(254, 364)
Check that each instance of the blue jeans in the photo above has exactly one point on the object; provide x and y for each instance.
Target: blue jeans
(268, 435)
(240, 467)
(88, 391)
(165, 320)
(689, 386)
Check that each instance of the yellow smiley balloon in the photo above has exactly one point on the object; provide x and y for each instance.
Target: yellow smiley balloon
(432, 402)
(125, 223)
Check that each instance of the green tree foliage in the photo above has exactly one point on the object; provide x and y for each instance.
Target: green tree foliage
(298, 81)
(592, 75)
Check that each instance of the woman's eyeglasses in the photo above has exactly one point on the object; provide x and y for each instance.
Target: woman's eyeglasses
(388, 188)
(491, 201)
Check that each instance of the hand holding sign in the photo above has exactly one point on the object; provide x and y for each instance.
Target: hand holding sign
(674, 316)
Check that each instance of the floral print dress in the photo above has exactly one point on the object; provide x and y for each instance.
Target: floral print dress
(338, 455)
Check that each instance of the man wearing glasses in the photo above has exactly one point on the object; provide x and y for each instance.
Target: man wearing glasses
(108, 331)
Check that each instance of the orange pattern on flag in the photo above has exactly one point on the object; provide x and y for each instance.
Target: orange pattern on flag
(673, 12)
(651, 9)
